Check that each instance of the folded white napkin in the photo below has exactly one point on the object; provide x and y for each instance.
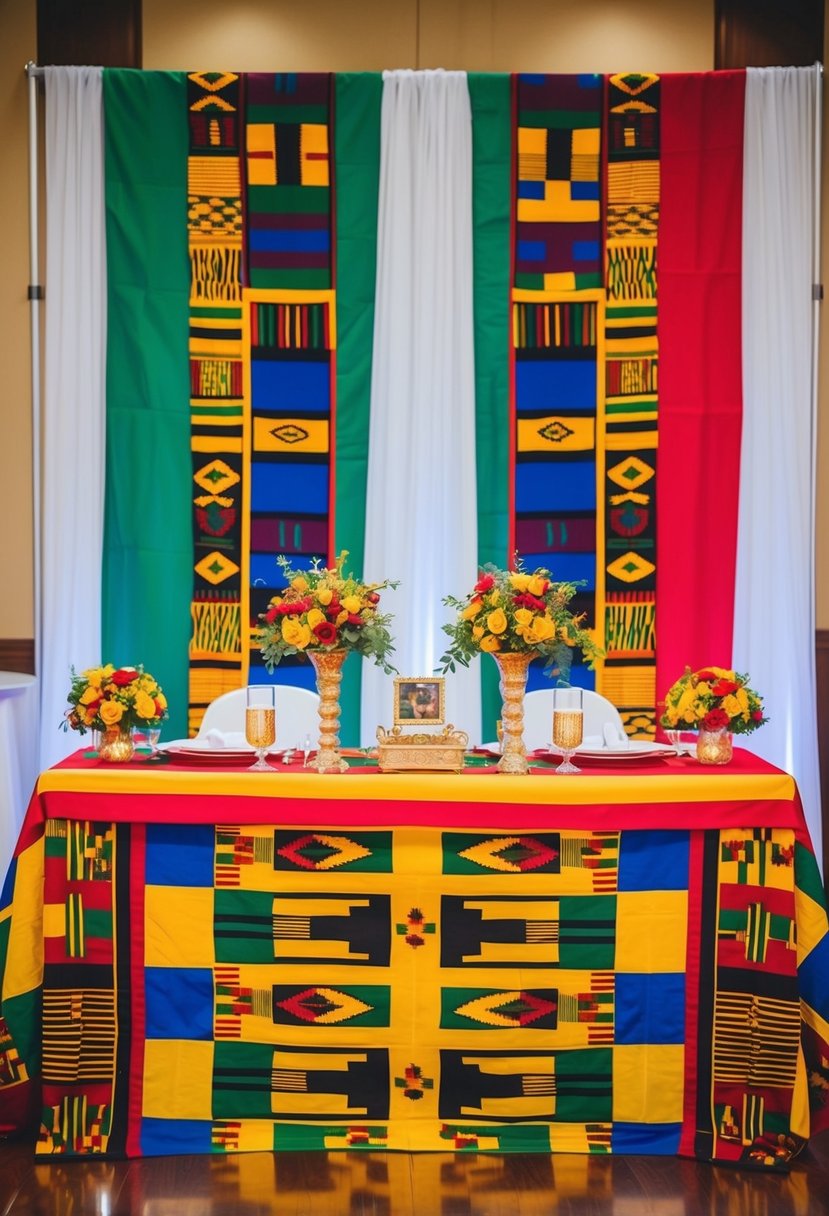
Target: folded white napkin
(217, 739)
(614, 738)
(592, 742)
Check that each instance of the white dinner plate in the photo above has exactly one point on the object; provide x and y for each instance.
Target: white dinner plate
(236, 745)
(638, 749)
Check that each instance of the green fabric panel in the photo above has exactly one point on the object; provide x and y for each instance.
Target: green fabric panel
(357, 182)
(490, 96)
(148, 544)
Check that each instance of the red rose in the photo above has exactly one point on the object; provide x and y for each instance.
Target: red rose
(325, 632)
(124, 676)
(355, 619)
(334, 608)
(271, 614)
(724, 688)
(485, 583)
(284, 609)
(525, 600)
(373, 597)
(757, 715)
(715, 719)
(706, 675)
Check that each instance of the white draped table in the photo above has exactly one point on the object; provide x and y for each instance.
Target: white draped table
(18, 756)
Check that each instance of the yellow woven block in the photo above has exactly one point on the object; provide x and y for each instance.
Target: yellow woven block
(648, 1082)
(637, 948)
(313, 154)
(556, 434)
(178, 1079)
(261, 148)
(290, 435)
(175, 922)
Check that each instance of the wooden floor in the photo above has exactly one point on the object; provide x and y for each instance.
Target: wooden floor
(401, 1184)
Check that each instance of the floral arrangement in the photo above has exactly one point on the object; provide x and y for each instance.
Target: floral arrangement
(105, 697)
(517, 611)
(325, 609)
(713, 699)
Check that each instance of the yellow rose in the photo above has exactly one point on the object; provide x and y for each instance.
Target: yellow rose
(314, 617)
(523, 616)
(351, 603)
(299, 583)
(471, 610)
(703, 688)
(520, 581)
(342, 617)
(742, 700)
(295, 633)
(96, 675)
(685, 704)
(144, 705)
(477, 632)
(496, 622)
(732, 706)
(490, 643)
(537, 585)
(111, 712)
(671, 715)
(162, 700)
(325, 596)
(91, 694)
(543, 628)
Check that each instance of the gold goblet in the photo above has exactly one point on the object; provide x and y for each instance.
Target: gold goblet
(568, 725)
(260, 721)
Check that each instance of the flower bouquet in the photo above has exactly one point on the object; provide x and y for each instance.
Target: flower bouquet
(325, 614)
(114, 700)
(716, 702)
(325, 610)
(517, 612)
(515, 616)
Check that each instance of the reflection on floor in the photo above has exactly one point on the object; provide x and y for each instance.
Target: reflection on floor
(400, 1184)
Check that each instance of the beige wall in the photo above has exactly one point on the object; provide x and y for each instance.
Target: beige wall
(362, 35)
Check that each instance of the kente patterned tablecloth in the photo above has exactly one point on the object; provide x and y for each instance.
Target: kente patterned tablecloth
(632, 961)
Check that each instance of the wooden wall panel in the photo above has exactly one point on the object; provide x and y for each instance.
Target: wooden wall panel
(17, 654)
(106, 33)
(768, 33)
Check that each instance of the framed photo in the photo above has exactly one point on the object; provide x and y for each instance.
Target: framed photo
(418, 701)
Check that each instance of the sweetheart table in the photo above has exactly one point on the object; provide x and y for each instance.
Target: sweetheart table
(202, 959)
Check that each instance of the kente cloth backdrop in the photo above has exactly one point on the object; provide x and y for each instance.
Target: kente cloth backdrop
(619, 430)
(367, 962)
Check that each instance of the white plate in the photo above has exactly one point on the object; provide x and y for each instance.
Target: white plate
(638, 749)
(198, 747)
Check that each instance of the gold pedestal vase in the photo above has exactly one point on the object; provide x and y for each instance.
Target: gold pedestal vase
(117, 744)
(328, 665)
(715, 746)
(513, 668)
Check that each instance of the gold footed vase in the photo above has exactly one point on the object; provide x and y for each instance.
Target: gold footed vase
(513, 668)
(328, 665)
(117, 745)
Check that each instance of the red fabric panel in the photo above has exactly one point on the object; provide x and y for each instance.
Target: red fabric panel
(700, 369)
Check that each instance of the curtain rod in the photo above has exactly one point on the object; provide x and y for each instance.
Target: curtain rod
(32, 69)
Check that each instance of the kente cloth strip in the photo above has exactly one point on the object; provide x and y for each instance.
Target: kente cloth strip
(611, 176)
(197, 965)
(262, 342)
(557, 335)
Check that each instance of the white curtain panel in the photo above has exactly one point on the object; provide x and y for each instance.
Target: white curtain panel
(73, 419)
(774, 629)
(421, 516)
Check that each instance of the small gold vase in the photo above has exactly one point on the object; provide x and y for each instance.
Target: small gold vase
(715, 746)
(328, 665)
(117, 744)
(513, 668)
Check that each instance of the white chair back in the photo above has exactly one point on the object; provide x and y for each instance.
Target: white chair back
(297, 714)
(538, 717)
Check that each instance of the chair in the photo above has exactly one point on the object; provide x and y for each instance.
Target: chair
(296, 714)
(538, 717)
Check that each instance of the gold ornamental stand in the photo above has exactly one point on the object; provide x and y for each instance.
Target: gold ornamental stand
(328, 666)
(513, 668)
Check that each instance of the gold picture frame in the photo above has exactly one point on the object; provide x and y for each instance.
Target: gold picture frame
(419, 701)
